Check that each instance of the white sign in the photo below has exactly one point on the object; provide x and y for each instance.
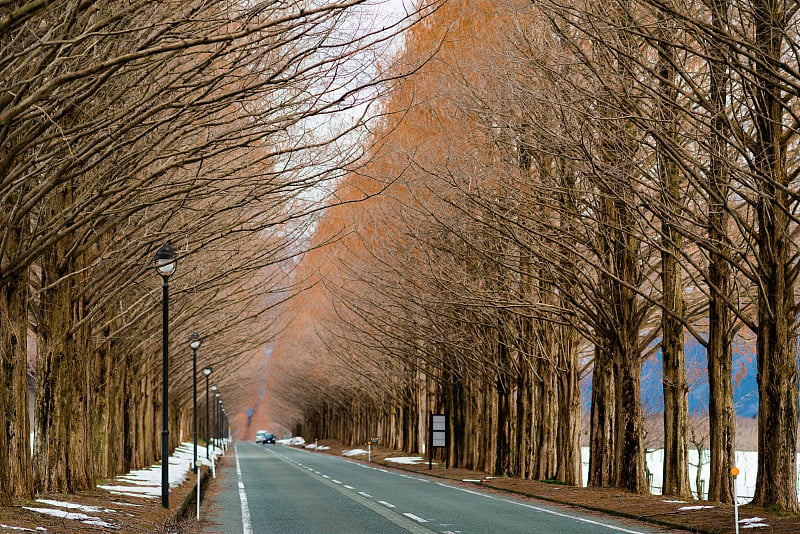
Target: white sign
(438, 430)
(439, 422)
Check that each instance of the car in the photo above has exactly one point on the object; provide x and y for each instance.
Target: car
(262, 436)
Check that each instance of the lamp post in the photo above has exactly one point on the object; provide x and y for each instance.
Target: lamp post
(219, 426)
(221, 435)
(194, 343)
(213, 426)
(216, 418)
(224, 426)
(207, 371)
(166, 261)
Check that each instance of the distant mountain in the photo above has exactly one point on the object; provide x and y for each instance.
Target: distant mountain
(745, 391)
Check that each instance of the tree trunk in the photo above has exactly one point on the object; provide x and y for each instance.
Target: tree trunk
(15, 474)
(776, 350)
(721, 412)
(602, 432)
(63, 448)
(546, 387)
(569, 409)
(776, 483)
(502, 466)
(524, 414)
(676, 391)
(630, 421)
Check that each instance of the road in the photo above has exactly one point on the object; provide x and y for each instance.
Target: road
(289, 490)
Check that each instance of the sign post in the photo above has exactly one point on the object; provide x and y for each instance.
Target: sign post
(437, 435)
(734, 474)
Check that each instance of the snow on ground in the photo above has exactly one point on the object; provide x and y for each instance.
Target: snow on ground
(315, 446)
(753, 522)
(76, 516)
(9, 527)
(354, 452)
(145, 483)
(291, 441)
(406, 460)
(693, 508)
(73, 506)
(746, 461)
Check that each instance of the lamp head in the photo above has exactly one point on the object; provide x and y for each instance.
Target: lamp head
(207, 371)
(194, 340)
(166, 260)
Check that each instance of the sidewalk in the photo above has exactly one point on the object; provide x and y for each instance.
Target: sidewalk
(692, 515)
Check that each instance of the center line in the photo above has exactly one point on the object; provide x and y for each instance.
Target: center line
(415, 517)
(388, 504)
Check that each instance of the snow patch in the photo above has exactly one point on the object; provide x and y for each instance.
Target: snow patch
(409, 460)
(753, 522)
(147, 482)
(9, 527)
(292, 441)
(75, 516)
(134, 491)
(354, 452)
(692, 508)
(73, 506)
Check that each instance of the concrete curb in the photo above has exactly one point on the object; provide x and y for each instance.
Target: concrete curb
(189, 499)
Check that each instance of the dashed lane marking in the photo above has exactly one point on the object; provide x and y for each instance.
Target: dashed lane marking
(415, 517)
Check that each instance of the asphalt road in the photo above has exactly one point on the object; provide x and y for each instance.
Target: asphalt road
(289, 490)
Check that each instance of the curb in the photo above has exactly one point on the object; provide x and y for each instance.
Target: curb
(182, 510)
(607, 511)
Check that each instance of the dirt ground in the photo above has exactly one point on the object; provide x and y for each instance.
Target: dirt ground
(125, 515)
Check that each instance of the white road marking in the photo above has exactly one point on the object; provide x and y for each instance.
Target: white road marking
(546, 511)
(415, 517)
(349, 487)
(246, 527)
(406, 523)
(335, 481)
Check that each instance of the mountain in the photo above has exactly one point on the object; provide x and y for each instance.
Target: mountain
(745, 391)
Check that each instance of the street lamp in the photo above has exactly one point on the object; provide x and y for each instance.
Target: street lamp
(214, 425)
(194, 343)
(207, 371)
(166, 261)
(222, 425)
(219, 421)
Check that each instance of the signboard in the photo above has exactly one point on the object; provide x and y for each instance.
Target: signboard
(437, 435)
(439, 430)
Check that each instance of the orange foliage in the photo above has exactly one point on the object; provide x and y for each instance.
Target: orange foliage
(414, 137)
